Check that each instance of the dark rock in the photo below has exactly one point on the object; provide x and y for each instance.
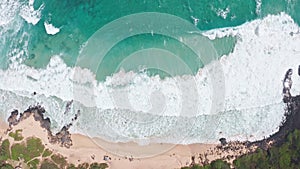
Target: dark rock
(46, 123)
(13, 118)
(223, 141)
(287, 85)
(63, 137)
(68, 106)
(290, 122)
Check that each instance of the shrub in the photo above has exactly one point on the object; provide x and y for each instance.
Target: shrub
(6, 166)
(59, 160)
(18, 151)
(219, 164)
(16, 135)
(47, 153)
(71, 166)
(98, 166)
(4, 150)
(33, 164)
(33, 148)
(46, 164)
(83, 166)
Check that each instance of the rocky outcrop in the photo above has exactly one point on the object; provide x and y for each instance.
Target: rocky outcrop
(287, 85)
(63, 137)
(68, 106)
(13, 118)
(292, 116)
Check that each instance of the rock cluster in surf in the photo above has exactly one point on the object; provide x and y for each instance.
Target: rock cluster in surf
(287, 85)
(291, 119)
(63, 137)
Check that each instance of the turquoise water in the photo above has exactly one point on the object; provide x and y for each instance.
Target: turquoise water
(122, 50)
(79, 20)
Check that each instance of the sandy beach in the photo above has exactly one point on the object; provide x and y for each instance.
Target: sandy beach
(122, 155)
(3, 127)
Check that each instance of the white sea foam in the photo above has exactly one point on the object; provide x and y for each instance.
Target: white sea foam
(126, 108)
(258, 7)
(221, 32)
(50, 29)
(8, 10)
(13, 38)
(223, 12)
(29, 14)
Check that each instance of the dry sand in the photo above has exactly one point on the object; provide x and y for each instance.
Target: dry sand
(3, 127)
(123, 155)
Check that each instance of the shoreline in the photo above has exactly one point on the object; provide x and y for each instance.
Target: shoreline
(85, 150)
(127, 155)
(3, 127)
(78, 149)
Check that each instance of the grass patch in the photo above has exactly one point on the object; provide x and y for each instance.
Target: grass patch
(47, 153)
(83, 166)
(16, 135)
(88, 166)
(4, 150)
(33, 164)
(218, 164)
(71, 166)
(18, 151)
(6, 166)
(46, 164)
(98, 166)
(59, 160)
(33, 148)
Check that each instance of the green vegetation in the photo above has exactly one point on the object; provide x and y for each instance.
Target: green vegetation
(83, 166)
(6, 166)
(33, 164)
(71, 166)
(286, 156)
(59, 160)
(35, 147)
(4, 151)
(193, 167)
(17, 150)
(98, 166)
(47, 153)
(87, 166)
(16, 135)
(32, 152)
(27, 151)
(46, 164)
(218, 164)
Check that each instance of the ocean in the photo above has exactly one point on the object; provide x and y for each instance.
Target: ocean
(160, 71)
